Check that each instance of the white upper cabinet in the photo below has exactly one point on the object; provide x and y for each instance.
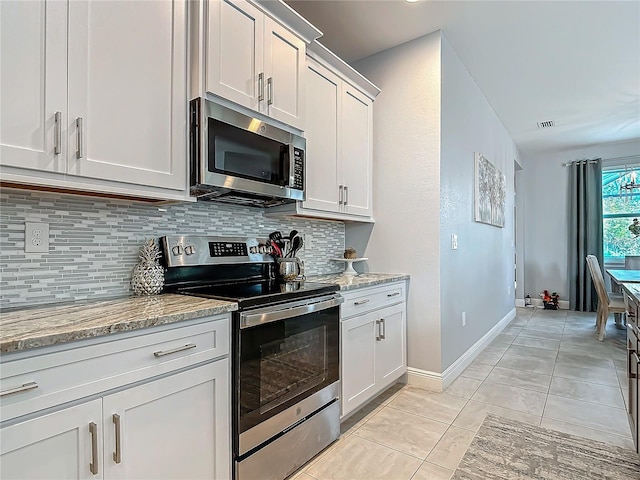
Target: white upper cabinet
(284, 65)
(94, 96)
(253, 60)
(235, 52)
(127, 91)
(33, 59)
(339, 135)
(356, 154)
(321, 166)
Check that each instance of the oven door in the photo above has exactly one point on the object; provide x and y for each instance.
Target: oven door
(285, 354)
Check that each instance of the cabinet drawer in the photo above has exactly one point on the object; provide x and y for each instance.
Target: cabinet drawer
(373, 298)
(52, 377)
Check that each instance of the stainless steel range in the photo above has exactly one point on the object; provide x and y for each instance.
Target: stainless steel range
(285, 341)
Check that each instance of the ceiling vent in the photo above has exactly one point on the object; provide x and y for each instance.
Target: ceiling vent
(547, 124)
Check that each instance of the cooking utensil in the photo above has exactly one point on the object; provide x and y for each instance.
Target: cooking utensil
(292, 234)
(296, 244)
(277, 252)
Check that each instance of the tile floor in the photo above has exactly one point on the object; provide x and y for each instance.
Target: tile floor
(547, 368)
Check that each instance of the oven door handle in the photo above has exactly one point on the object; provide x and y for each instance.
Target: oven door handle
(250, 319)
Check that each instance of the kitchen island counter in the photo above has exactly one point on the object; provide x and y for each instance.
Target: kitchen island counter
(352, 282)
(27, 328)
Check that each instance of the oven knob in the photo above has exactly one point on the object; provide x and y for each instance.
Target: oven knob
(189, 250)
(177, 250)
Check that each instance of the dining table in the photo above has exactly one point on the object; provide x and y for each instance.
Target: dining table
(618, 277)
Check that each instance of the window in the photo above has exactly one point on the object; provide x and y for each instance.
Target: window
(620, 205)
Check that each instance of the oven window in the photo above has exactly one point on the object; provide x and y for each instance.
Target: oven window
(240, 153)
(284, 361)
(298, 361)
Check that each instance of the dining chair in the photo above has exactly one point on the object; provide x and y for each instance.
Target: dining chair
(607, 302)
(632, 262)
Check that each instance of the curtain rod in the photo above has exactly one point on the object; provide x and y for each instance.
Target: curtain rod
(614, 159)
(579, 161)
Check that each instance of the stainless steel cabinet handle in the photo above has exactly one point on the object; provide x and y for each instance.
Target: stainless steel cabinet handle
(270, 91)
(384, 329)
(362, 302)
(378, 331)
(340, 187)
(25, 387)
(261, 86)
(162, 353)
(394, 294)
(93, 466)
(57, 133)
(346, 195)
(79, 146)
(117, 455)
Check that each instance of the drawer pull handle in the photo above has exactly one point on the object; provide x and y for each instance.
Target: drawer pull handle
(362, 302)
(384, 329)
(93, 466)
(162, 353)
(395, 294)
(23, 388)
(117, 455)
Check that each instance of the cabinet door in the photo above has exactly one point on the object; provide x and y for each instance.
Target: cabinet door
(33, 62)
(391, 352)
(54, 446)
(358, 360)
(235, 52)
(175, 427)
(356, 155)
(284, 65)
(321, 161)
(127, 85)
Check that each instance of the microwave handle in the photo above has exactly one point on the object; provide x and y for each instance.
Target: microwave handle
(292, 165)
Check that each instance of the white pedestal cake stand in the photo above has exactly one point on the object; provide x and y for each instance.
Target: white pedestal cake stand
(349, 268)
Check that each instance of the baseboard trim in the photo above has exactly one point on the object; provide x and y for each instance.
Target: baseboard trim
(438, 382)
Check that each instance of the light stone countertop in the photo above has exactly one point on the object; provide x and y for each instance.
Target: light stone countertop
(352, 282)
(48, 325)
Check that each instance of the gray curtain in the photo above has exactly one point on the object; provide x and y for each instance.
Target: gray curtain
(585, 231)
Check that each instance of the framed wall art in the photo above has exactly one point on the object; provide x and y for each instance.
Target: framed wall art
(490, 192)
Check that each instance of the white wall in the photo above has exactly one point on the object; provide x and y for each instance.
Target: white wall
(406, 187)
(428, 121)
(546, 197)
(478, 277)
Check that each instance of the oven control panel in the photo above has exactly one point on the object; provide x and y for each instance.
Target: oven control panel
(226, 249)
(182, 250)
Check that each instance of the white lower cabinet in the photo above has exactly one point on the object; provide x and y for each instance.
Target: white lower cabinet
(171, 426)
(373, 344)
(54, 446)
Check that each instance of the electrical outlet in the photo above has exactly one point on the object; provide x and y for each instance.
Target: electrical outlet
(454, 242)
(36, 237)
(464, 319)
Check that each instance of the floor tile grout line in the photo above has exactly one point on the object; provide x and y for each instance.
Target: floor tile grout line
(585, 401)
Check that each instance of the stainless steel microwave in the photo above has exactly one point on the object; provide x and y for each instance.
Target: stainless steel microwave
(239, 159)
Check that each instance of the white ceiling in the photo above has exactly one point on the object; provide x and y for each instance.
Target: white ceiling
(574, 62)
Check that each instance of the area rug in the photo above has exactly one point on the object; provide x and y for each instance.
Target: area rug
(506, 449)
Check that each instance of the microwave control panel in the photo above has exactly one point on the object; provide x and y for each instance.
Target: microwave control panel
(298, 169)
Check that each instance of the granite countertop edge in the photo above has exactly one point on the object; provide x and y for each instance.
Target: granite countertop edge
(31, 328)
(362, 280)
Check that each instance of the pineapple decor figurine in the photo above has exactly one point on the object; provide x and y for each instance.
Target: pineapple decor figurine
(148, 274)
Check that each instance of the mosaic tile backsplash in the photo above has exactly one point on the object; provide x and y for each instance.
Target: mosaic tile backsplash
(94, 242)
